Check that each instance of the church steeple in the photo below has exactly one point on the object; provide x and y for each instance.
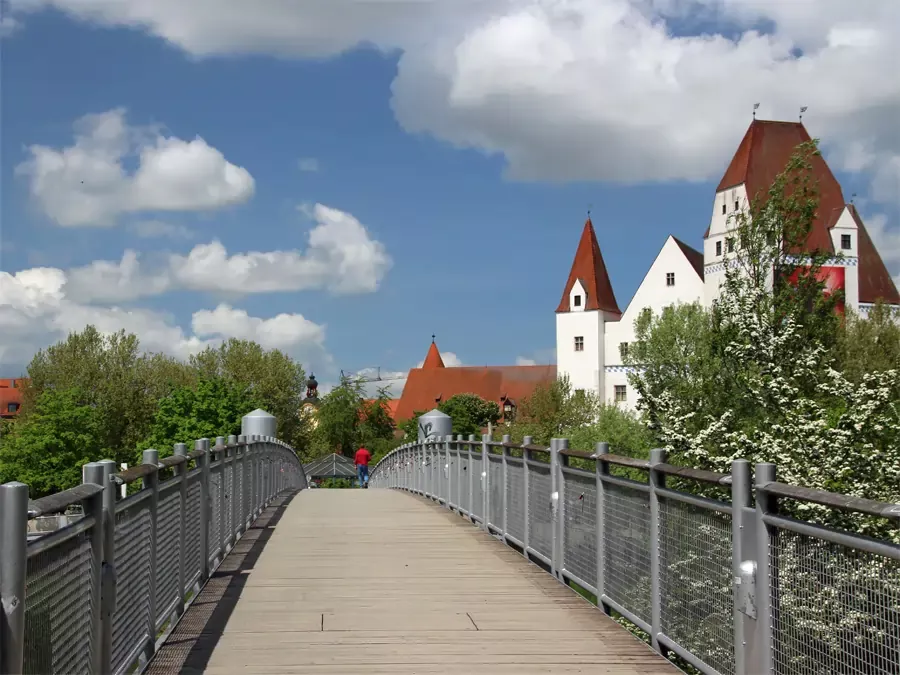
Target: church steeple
(589, 269)
(433, 358)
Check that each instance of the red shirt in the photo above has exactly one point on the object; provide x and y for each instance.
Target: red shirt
(363, 456)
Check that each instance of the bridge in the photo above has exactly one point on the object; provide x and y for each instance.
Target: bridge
(466, 556)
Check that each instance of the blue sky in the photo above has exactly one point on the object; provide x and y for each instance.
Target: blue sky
(480, 226)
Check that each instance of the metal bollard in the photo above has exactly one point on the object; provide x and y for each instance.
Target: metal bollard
(13, 565)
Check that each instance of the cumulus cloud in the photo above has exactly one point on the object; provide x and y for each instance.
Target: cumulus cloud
(88, 184)
(619, 90)
(35, 311)
(341, 257)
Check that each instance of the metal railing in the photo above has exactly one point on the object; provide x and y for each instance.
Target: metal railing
(729, 585)
(101, 594)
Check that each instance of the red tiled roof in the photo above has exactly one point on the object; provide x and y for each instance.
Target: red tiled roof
(875, 282)
(764, 153)
(433, 357)
(425, 386)
(589, 268)
(10, 395)
(693, 255)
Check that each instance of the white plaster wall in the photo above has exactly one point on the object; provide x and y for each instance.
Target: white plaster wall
(847, 225)
(585, 368)
(720, 225)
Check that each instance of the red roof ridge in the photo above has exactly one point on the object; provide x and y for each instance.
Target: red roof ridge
(694, 257)
(589, 269)
(433, 357)
(875, 282)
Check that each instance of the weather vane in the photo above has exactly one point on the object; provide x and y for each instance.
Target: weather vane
(755, 106)
(432, 337)
(802, 110)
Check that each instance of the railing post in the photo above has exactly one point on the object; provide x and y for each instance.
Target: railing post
(448, 439)
(13, 573)
(526, 455)
(505, 478)
(205, 505)
(108, 571)
(471, 477)
(765, 504)
(93, 473)
(485, 482)
(151, 483)
(236, 527)
(656, 480)
(560, 506)
(602, 470)
(223, 449)
(743, 622)
(180, 450)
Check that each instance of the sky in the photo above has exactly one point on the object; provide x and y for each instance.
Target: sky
(341, 179)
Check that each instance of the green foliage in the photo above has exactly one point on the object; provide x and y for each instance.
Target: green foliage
(470, 414)
(870, 344)
(63, 433)
(346, 420)
(213, 407)
(626, 433)
(553, 409)
(337, 484)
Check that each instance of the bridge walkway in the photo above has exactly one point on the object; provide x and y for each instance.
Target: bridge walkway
(368, 581)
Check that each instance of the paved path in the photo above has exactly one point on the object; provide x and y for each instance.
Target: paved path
(376, 581)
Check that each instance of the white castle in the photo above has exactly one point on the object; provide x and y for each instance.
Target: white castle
(590, 327)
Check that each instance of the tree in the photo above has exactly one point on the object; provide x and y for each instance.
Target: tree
(113, 376)
(213, 407)
(869, 344)
(276, 381)
(62, 434)
(553, 408)
(340, 417)
(469, 412)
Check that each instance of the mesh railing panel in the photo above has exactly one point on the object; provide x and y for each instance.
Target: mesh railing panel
(454, 476)
(241, 469)
(515, 499)
(192, 536)
(229, 499)
(696, 595)
(168, 541)
(580, 526)
(477, 484)
(835, 610)
(131, 619)
(58, 608)
(626, 548)
(215, 491)
(464, 480)
(495, 501)
(540, 528)
(246, 486)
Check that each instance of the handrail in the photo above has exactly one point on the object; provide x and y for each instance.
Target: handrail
(715, 568)
(167, 539)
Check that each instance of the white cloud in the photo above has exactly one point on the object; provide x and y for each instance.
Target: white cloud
(450, 360)
(157, 229)
(619, 90)
(35, 311)
(341, 257)
(308, 164)
(87, 183)
(887, 241)
(522, 361)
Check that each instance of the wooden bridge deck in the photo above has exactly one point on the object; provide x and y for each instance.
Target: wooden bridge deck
(376, 581)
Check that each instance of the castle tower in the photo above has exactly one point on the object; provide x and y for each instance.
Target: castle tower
(587, 305)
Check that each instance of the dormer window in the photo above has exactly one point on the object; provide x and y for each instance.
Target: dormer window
(670, 278)
(577, 300)
(846, 242)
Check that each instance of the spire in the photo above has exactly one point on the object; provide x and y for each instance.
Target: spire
(589, 268)
(433, 358)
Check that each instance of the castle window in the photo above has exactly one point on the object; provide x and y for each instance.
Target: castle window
(737, 205)
(578, 301)
(730, 244)
(670, 278)
(621, 393)
(724, 208)
(846, 242)
(718, 248)
(579, 343)
(623, 349)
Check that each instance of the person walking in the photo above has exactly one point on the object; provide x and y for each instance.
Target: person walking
(362, 459)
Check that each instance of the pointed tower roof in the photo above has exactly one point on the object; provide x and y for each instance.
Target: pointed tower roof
(589, 268)
(433, 357)
(875, 281)
(763, 153)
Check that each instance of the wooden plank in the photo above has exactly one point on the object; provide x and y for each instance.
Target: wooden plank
(377, 581)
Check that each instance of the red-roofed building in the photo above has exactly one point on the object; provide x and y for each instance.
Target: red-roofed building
(10, 397)
(433, 383)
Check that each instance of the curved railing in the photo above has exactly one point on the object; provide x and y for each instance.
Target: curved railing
(728, 586)
(100, 594)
